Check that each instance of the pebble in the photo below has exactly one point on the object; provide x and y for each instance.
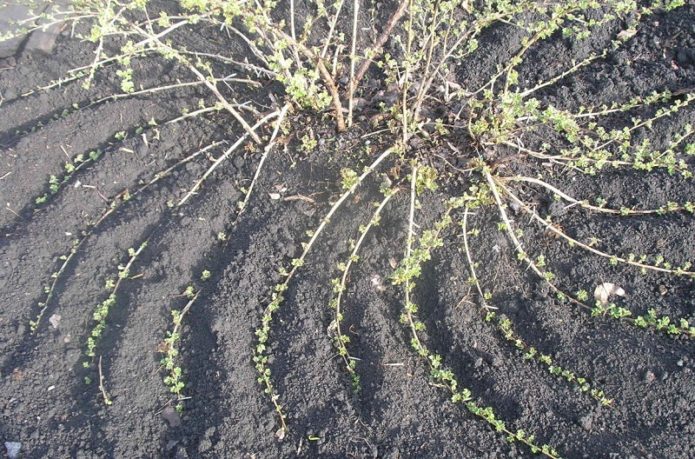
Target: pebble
(649, 376)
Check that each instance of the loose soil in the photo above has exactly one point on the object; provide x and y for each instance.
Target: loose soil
(45, 404)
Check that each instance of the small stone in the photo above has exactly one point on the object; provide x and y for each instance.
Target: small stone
(238, 161)
(680, 363)
(649, 376)
(13, 448)
(54, 320)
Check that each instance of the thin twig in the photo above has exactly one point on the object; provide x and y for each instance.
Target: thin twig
(224, 156)
(327, 80)
(268, 148)
(184, 311)
(332, 28)
(210, 85)
(294, 35)
(102, 388)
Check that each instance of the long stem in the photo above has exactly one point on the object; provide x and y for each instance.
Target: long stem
(337, 206)
(407, 286)
(578, 243)
(268, 148)
(338, 8)
(294, 35)
(261, 353)
(351, 89)
(374, 220)
(585, 204)
(113, 205)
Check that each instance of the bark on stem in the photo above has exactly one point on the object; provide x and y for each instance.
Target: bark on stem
(381, 41)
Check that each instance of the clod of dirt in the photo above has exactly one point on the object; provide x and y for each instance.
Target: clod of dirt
(54, 320)
(685, 56)
(586, 422)
(181, 453)
(171, 417)
(13, 448)
(8, 63)
(606, 290)
(238, 161)
(171, 444)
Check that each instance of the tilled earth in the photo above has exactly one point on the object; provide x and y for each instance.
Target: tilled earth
(46, 406)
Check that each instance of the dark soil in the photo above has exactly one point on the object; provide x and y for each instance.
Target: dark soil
(45, 404)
